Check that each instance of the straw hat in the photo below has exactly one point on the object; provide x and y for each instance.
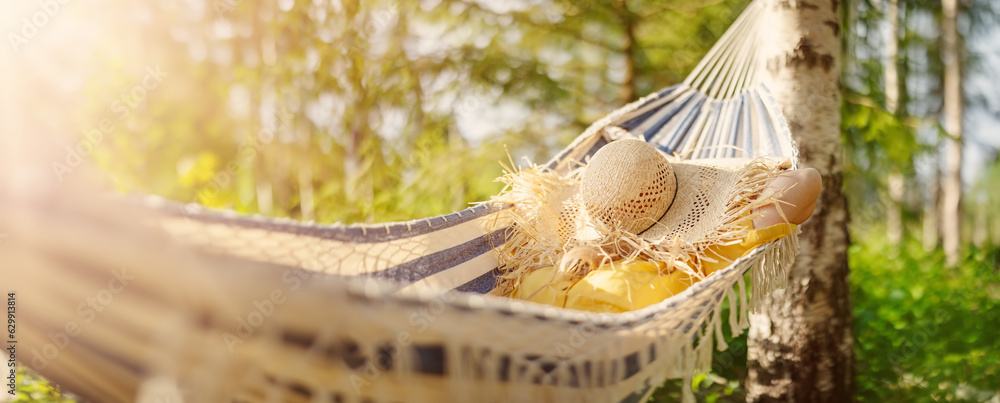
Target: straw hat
(629, 185)
(628, 201)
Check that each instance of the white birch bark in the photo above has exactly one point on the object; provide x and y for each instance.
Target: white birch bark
(894, 211)
(951, 186)
(800, 348)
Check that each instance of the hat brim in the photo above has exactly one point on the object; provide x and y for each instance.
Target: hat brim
(708, 195)
(700, 205)
(712, 206)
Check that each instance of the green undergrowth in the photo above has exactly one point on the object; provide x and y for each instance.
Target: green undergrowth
(923, 332)
(32, 387)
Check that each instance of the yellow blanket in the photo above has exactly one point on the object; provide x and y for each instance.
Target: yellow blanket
(629, 285)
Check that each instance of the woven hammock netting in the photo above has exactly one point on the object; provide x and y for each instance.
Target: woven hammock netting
(155, 301)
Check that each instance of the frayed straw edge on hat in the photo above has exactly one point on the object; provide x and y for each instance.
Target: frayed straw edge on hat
(531, 245)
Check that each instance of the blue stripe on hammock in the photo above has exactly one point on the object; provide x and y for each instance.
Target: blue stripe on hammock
(427, 265)
(343, 233)
(748, 142)
(722, 139)
(636, 121)
(601, 142)
(782, 139)
(768, 133)
(666, 113)
(684, 127)
(482, 284)
(712, 108)
(673, 143)
(732, 135)
(660, 109)
(746, 129)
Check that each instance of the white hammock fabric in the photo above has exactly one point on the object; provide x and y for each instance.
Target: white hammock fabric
(152, 301)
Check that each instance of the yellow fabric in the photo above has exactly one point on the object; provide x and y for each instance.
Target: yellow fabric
(629, 285)
(538, 287)
(726, 254)
(620, 287)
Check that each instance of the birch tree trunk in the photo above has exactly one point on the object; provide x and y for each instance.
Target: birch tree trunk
(951, 186)
(800, 346)
(894, 212)
(894, 215)
(628, 20)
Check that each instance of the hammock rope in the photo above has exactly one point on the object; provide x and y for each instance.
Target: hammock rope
(173, 301)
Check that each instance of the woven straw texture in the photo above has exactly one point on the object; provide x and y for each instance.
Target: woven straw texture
(628, 184)
(627, 202)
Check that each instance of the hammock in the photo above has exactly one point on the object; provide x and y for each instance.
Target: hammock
(157, 301)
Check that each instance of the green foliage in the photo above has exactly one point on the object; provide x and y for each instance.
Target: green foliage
(365, 111)
(354, 111)
(879, 140)
(723, 384)
(924, 333)
(31, 387)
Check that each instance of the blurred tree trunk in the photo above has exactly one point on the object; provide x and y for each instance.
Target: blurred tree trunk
(262, 171)
(951, 186)
(628, 20)
(932, 220)
(894, 216)
(800, 346)
(307, 202)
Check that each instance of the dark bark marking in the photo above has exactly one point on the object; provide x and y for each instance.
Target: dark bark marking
(804, 55)
(808, 358)
(834, 26)
(798, 356)
(798, 361)
(794, 126)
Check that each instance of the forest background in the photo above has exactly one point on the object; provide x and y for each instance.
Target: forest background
(375, 111)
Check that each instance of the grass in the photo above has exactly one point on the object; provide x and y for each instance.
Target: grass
(923, 332)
